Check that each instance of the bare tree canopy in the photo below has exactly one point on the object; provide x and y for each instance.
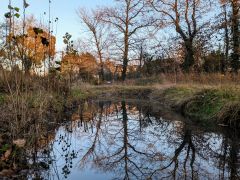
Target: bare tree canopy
(93, 22)
(187, 18)
(128, 17)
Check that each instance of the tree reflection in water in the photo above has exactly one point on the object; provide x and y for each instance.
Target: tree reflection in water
(122, 140)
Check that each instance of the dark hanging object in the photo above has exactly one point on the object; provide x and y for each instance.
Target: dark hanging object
(8, 15)
(37, 30)
(58, 68)
(25, 4)
(45, 42)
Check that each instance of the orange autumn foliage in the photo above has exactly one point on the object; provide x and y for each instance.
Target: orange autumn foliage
(32, 47)
(110, 65)
(82, 64)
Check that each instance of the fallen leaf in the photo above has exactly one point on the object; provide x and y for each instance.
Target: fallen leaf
(1, 141)
(6, 155)
(75, 117)
(6, 172)
(19, 142)
(14, 166)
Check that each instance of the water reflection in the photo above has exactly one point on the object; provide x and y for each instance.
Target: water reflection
(107, 140)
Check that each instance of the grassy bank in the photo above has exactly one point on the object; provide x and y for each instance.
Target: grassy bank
(84, 92)
(208, 105)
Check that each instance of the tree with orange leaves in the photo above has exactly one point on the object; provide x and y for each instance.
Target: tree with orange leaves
(34, 47)
(84, 65)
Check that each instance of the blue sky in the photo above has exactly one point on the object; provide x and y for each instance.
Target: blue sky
(65, 10)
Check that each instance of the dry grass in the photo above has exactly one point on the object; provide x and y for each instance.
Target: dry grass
(29, 106)
(215, 79)
(206, 79)
(26, 101)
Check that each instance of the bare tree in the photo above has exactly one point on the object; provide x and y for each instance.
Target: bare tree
(231, 7)
(226, 37)
(186, 16)
(93, 22)
(235, 5)
(128, 18)
(222, 24)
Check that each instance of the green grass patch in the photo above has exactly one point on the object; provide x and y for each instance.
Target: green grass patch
(205, 105)
(2, 98)
(4, 148)
(148, 81)
(177, 95)
(202, 104)
(80, 94)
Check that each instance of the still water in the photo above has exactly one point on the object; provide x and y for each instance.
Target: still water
(135, 140)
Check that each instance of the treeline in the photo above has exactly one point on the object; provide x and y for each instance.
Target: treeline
(132, 38)
(161, 36)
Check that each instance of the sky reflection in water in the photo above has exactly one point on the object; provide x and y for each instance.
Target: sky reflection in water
(122, 140)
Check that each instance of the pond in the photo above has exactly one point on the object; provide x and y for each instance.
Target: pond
(134, 140)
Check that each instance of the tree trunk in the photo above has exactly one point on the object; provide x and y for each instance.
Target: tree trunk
(101, 65)
(27, 63)
(100, 55)
(140, 60)
(102, 72)
(235, 36)
(226, 40)
(125, 56)
(189, 55)
(124, 70)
